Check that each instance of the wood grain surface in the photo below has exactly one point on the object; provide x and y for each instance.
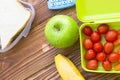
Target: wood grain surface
(33, 57)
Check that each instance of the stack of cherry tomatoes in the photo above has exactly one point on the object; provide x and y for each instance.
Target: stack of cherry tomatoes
(96, 51)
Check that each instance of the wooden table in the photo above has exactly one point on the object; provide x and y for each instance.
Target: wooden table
(33, 57)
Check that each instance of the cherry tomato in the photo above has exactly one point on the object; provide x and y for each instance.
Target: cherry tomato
(90, 54)
(98, 47)
(101, 56)
(103, 28)
(113, 57)
(108, 47)
(118, 51)
(92, 64)
(118, 31)
(111, 35)
(87, 30)
(107, 65)
(117, 67)
(95, 37)
(87, 43)
(116, 42)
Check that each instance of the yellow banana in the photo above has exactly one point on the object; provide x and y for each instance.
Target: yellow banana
(67, 69)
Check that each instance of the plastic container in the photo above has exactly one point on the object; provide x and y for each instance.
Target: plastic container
(94, 13)
(26, 30)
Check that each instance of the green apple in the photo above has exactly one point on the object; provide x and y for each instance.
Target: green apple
(61, 31)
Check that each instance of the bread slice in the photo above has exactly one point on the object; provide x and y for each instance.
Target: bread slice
(13, 18)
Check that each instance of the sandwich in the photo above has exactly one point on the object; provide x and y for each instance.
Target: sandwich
(13, 19)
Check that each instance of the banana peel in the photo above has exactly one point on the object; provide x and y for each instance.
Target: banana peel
(67, 69)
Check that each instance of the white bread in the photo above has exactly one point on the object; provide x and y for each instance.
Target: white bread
(13, 19)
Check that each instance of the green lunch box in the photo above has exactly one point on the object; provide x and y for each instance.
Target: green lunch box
(94, 13)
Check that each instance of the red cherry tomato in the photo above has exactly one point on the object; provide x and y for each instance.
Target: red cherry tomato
(116, 42)
(92, 64)
(87, 30)
(117, 67)
(107, 65)
(98, 47)
(103, 28)
(111, 35)
(87, 43)
(90, 54)
(118, 31)
(118, 51)
(113, 57)
(108, 47)
(95, 37)
(101, 56)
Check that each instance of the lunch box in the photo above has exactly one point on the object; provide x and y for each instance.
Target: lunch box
(94, 13)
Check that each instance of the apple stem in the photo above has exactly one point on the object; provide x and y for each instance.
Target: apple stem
(57, 28)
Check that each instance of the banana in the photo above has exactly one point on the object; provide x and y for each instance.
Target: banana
(67, 69)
